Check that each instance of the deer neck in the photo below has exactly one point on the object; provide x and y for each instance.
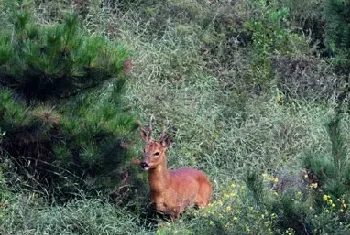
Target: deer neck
(159, 177)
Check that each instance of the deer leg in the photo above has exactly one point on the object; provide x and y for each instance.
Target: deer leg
(160, 207)
(175, 213)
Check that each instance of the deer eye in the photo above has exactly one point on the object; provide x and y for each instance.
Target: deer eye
(156, 154)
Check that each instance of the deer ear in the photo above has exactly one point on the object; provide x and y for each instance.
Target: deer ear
(166, 141)
(144, 134)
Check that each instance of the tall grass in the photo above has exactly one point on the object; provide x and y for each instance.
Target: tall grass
(197, 80)
(29, 215)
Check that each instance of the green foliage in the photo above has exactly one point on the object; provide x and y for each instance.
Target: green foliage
(97, 128)
(55, 61)
(12, 112)
(330, 173)
(308, 17)
(62, 143)
(337, 31)
(84, 137)
(318, 205)
(271, 35)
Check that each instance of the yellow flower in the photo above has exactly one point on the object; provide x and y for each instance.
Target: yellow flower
(265, 175)
(275, 180)
(325, 197)
(220, 203)
(233, 185)
(289, 231)
(275, 193)
(314, 185)
(333, 205)
(228, 208)
(233, 194)
(226, 195)
(343, 203)
(234, 219)
(211, 223)
(305, 176)
(299, 194)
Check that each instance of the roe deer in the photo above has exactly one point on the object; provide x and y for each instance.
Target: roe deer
(172, 191)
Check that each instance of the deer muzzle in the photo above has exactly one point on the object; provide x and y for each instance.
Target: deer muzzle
(144, 165)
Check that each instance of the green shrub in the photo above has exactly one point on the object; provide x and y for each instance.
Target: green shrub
(337, 39)
(55, 61)
(271, 35)
(61, 103)
(330, 173)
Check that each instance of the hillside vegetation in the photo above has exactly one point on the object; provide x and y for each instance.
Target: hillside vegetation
(255, 94)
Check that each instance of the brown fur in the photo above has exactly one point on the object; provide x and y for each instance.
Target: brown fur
(172, 191)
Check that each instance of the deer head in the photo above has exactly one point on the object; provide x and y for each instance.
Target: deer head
(154, 151)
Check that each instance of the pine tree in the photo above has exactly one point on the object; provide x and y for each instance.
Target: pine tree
(331, 173)
(337, 31)
(54, 61)
(60, 102)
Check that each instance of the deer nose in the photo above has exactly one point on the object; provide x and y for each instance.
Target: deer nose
(144, 165)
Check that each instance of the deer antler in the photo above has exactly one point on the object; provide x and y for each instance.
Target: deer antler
(163, 135)
(150, 128)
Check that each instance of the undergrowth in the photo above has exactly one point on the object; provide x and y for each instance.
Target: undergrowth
(250, 100)
(29, 215)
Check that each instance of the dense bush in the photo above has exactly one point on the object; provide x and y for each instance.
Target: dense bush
(307, 79)
(330, 173)
(337, 31)
(78, 129)
(55, 61)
